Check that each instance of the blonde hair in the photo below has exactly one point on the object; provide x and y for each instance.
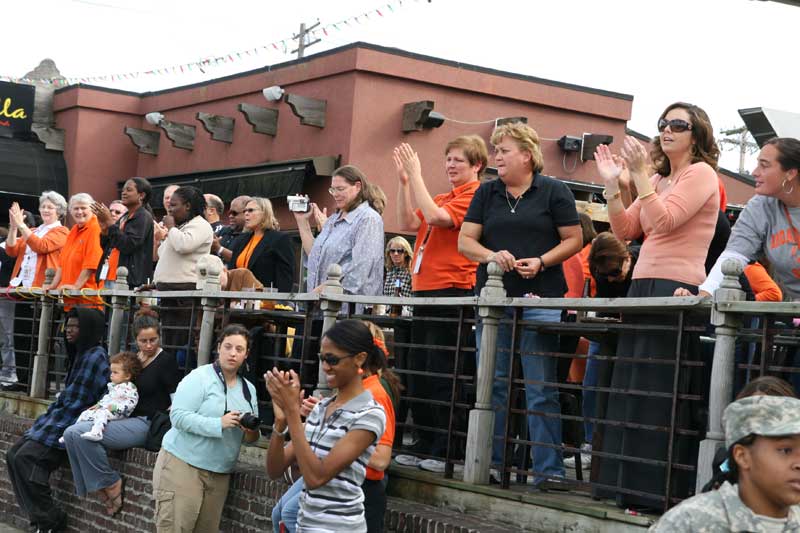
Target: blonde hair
(268, 220)
(404, 244)
(526, 138)
(369, 191)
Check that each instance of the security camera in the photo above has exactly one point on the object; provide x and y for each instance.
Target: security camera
(273, 94)
(154, 118)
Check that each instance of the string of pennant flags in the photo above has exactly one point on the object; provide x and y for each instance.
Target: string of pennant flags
(281, 46)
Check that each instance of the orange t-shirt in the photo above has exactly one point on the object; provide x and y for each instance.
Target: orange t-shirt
(81, 251)
(573, 274)
(587, 274)
(113, 257)
(442, 266)
(247, 253)
(373, 384)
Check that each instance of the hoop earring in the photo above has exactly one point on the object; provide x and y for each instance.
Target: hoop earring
(783, 187)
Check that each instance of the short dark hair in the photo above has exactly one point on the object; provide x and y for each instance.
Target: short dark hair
(192, 196)
(145, 318)
(143, 186)
(235, 329)
(130, 363)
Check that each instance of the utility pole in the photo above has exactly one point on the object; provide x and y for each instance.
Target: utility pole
(740, 141)
(301, 39)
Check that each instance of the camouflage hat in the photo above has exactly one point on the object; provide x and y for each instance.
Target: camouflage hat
(768, 416)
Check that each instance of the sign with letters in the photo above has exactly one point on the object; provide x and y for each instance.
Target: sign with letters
(16, 108)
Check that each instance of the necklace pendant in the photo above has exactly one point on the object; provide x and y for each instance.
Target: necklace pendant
(513, 210)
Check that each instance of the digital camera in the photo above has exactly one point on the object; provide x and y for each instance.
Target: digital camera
(297, 203)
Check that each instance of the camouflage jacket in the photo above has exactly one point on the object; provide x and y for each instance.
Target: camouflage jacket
(719, 511)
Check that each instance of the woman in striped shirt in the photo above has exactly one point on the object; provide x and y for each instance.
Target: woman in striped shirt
(339, 436)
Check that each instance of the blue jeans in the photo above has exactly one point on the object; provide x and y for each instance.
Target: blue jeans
(589, 396)
(286, 509)
(546, 461)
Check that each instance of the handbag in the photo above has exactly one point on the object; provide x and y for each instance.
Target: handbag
(159, 425)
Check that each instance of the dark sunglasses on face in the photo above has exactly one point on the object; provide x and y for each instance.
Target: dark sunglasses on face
(676, 125)
(614, 273)
(250, 210)
(396, 251)
(333, 360)
(234, 213)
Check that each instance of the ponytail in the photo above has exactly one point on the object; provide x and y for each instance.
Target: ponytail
(369, 192)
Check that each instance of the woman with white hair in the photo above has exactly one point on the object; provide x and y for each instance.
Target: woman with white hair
(36, 249)
(82, 251)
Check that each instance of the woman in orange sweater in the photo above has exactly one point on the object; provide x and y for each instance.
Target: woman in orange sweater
(36, 250)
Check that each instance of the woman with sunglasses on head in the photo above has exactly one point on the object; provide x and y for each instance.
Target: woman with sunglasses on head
(676, 210)
(211, 414)
(263, 249)
(352, 237)
(127, 240)
(339, 437)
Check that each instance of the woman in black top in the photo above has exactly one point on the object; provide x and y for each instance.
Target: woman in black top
(156, 383)
(527, 223)
(262, 249)
(128, 242)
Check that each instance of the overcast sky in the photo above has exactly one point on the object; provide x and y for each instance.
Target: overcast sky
(722, 55)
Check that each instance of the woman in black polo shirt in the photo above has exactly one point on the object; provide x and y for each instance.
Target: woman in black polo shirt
(527, 223)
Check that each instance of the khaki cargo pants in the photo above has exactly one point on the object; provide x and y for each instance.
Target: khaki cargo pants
(188, 499)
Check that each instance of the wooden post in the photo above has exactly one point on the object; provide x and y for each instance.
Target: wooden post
(209, 271)
(330, 310)
(39, 374)
(480, 432)
(119, 305)
(722, 369)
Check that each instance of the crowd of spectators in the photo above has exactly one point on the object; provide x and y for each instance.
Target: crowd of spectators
(666, 238)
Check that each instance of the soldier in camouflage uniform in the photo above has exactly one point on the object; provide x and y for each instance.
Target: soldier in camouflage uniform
(762, 434)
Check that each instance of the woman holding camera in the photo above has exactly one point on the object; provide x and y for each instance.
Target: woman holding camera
(213, 411)
(262, 249)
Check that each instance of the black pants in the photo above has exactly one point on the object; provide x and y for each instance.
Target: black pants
(177, 325)
(30, 464)
(433, 333)
(374, 504)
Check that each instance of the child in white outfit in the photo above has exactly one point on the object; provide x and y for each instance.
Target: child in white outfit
(119, 401)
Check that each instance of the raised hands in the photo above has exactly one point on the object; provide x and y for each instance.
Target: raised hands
(609, 166)
(103, 215)
(16, 215)
(284, 388)
(635, 155)
(406, 161)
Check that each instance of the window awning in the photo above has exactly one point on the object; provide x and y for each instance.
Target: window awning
(267, 180)
(27, 168)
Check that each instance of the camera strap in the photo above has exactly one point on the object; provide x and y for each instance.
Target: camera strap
(245, 388)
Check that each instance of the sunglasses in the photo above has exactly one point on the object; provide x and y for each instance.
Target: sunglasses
(676, 125)
(251, 210)
(615, 273)
(333, 360)
(234, 213)
(396, 251)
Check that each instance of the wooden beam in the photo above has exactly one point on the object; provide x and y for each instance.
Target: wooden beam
(310, 110)
(145, 140)
(415, 114)
(53, 138)
(263, 119)
(181, 135)
(220, 127)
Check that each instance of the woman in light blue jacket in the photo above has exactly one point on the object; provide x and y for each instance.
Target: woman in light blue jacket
(209, 422)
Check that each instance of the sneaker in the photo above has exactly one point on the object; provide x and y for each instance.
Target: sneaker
(560, 484)
(586, 458)
(407, 460)
(9, 378)
(432, 465)
(90, 435)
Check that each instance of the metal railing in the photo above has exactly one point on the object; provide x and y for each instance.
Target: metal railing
(697, 381)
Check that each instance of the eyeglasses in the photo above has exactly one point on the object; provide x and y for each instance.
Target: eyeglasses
(333, 360)
(396, 251)
(251, 210)
(676, 125)
(615, 273)
(340, 190)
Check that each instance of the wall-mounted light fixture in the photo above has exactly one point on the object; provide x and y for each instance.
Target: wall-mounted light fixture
(181, 135)
(273, 94)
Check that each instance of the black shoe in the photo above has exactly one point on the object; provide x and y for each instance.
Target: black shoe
(558, 484)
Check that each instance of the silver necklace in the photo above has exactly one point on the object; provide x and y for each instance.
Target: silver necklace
(514, 207)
